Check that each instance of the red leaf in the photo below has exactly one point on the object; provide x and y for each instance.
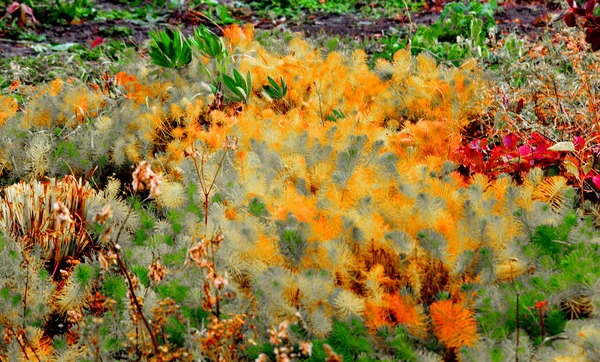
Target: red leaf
(524, 150)
(539, 140)
(596, 181)
(13, 7)
(579, 143)
(519, 106)
(595, 44)
(97, 42)
(510, 141)
(593, 37)
(589, 6)
(29, 12)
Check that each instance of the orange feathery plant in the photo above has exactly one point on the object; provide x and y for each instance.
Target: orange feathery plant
(454, 325)
(394, 310)
(82, 103)
(375, 316)
(56, 87)
(238, 36)
(8, 107)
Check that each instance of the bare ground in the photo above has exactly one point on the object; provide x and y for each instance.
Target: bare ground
(524, 18)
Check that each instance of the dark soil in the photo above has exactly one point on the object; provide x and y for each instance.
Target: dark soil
(523, 18)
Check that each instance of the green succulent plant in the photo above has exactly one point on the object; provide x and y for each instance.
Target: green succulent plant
(276, 90)
(240, 87)
(169, 49)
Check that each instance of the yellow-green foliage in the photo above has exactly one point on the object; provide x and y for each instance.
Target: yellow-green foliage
(320, 215)
(140, 116)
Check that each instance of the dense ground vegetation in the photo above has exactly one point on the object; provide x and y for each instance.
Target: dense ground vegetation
(213, 191)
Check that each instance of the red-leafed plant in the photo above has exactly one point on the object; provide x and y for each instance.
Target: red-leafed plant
(589, 21)
(576, 160)
(581, 164)
(21, 13)
(513, 156)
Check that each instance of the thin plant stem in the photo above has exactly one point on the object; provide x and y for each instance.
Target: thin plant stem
(19, 342)
(32, 347)
(512, 282)
(411, 27)
(206, 192)
(97, 349)
(134, 298)
(26, 287)
(218, 303)
(124, 270)
(320, 105)
(542, 323)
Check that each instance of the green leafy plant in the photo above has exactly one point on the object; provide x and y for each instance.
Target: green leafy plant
(240, 87)
(460, 32)
(276, 90)
(169, 49)
(209, 44)
(69, 11)
(336, 115)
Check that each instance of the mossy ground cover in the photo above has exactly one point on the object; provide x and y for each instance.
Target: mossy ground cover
(228, 193)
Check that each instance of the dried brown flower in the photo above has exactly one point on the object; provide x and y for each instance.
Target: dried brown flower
(190, 152)
(135, 281)
(144, 177)
(105, 237)
(220, 282)
(222, 337)
(279, 335)
(230, 143)
(96, 304)
(331, 355)
(306, 348)
(218, 238)
(198, 253)
(157, 271)
(74, 316)
(103, 215)
(107, 258)
(62, 214)
(262, 358)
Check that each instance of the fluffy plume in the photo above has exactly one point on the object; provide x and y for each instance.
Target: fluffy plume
(453, 325)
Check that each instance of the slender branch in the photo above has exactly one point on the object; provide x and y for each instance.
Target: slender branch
(205, 205)
(134, 298)
(123, 224)
(19, 342)
(130, 283)
(218, 170)
(320, 105)
(26, 288)
(31, 346)
(512, 282)
(218, 305)
(206, 191)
